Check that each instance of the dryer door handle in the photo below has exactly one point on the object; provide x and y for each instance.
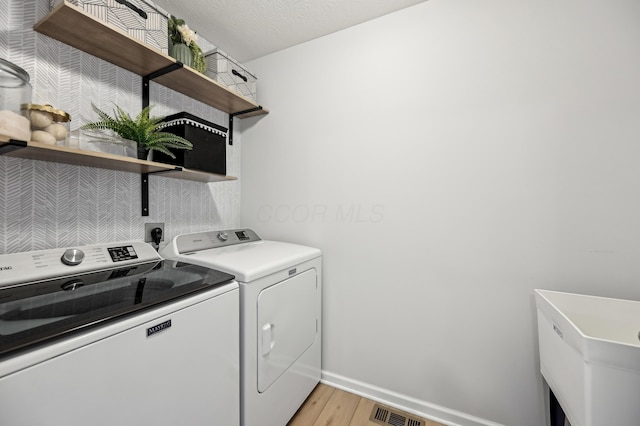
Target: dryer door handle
(268, 334)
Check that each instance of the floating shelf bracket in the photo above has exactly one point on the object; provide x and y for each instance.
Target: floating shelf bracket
(147, 78)
(233, 115)
(144, 187)
(11, 145)
(144, 177)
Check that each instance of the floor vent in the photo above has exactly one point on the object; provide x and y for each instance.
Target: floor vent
(387, 416)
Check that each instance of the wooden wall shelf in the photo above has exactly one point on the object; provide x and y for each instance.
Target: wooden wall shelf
(71, 25)
(78, 157)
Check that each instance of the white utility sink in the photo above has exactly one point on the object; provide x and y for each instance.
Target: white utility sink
(590, 356)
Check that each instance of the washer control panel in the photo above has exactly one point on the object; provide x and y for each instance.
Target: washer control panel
(120, 254)
(43, 264)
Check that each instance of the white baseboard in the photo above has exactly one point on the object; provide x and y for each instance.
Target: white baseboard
(405, 403)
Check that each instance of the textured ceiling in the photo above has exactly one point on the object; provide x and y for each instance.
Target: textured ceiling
(248, 29)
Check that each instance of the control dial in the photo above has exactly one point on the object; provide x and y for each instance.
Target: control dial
(223, 236)
(72, 257)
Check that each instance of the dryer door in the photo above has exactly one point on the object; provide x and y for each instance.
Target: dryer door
(287, 315)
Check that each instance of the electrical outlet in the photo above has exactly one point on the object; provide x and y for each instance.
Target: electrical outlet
(148, 227)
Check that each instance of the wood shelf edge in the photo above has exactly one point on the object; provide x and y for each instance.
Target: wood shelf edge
(256, 113)
(71, 25)
(78, 157)
(198, 176)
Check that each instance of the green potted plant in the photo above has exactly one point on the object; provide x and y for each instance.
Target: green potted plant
(184, 45)
(144, 130)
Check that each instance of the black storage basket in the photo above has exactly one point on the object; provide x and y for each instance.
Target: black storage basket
(209, 141)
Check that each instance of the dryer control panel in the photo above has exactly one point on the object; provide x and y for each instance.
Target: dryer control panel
(198, 241)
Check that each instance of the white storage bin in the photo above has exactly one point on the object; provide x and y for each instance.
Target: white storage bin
(227, 71)
(141, 19)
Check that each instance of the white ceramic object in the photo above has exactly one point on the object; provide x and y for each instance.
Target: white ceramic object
(590, 356)
(102, 141)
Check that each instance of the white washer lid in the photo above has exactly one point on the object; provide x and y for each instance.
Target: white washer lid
(250, 261)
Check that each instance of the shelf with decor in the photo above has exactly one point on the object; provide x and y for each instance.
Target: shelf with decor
(71, 25)
(75, 27)
(61, 154)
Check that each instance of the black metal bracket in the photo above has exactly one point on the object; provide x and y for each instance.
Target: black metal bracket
(144, 177)
(145, 103)
(144, 190)
(144, 187)
(11, 145)
(233, 115)
(147, 78)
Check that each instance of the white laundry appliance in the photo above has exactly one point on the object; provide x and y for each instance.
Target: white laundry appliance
(280, 316)
(111, 334)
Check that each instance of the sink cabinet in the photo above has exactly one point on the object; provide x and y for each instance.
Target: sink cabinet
(590, 356)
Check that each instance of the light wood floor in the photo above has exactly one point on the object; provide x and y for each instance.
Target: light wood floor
(328, 406)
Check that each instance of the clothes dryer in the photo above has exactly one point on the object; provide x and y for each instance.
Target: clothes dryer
(280, 316)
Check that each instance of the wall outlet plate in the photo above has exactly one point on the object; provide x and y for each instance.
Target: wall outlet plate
(147, 231)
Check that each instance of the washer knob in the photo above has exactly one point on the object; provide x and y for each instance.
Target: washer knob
(72, 285)
(223, 236)
(72, 257)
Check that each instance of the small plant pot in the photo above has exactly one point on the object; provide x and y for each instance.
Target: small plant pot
(182, 53)
(143, 153)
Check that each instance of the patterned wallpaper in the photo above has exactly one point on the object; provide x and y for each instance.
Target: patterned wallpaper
(46, 205)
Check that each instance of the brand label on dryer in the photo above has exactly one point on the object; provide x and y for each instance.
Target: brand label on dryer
(158, 327)
(292, 271)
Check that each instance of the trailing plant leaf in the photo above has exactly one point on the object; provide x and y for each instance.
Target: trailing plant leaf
(144, 130)
(199, 61)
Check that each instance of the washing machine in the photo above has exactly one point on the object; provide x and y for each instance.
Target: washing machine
(111, 334)
(280, 316)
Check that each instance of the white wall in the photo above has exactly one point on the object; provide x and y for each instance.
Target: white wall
(448, 159)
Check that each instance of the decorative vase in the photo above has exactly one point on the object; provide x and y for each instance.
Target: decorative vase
(143, 153)
(182, 53)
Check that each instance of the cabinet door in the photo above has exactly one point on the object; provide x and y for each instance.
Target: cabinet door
(287, 325)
